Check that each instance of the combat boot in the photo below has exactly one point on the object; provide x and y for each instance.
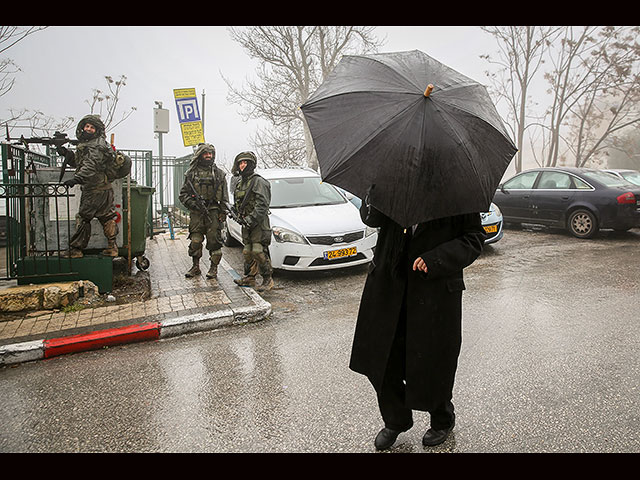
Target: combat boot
(215, 261)
(73, 253)
(110, 229)
(111, 250)
(267, 284)
(246, 281)
(194, 271)
(213, 271)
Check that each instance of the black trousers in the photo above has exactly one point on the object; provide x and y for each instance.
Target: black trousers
(391, 397)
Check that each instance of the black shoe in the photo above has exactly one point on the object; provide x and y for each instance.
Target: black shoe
(435, 437)
(385, 438)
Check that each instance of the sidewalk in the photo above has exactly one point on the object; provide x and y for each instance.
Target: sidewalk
(177, 306)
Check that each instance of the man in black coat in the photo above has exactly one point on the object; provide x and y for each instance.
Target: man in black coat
(409, 329)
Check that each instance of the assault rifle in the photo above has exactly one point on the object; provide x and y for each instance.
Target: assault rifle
(202, 205)
(232, 211)
(227, 208)
(57, 140)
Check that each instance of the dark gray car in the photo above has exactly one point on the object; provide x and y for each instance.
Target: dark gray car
(581, 200)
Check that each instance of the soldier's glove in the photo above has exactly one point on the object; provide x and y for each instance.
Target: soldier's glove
(71, 182)
(62, 150)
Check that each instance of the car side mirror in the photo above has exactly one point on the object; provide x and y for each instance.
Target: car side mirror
(501, 187)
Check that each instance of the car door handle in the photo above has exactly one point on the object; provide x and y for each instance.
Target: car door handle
(565, 197)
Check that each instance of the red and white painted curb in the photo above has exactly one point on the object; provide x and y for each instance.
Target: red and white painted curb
(48, 348)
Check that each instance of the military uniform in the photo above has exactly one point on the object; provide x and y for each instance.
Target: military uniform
(92, 160)
(252, 196)
(209, 183)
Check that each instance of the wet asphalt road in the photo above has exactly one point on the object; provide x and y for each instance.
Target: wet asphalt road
(549, 363)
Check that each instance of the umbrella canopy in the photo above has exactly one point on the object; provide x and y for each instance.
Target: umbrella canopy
(427, 138)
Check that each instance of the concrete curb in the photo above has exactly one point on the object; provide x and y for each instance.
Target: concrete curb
(41, 349)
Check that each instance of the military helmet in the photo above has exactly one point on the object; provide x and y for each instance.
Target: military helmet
(250, 157)
(93, 120)
(203, 148)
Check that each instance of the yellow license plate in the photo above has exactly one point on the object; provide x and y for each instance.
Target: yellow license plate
(491, 228)
(340, 253)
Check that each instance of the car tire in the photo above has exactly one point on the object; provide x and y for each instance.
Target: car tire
(582, 223)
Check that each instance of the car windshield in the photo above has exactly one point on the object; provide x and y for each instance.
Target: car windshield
(303, 192)
(606, 179)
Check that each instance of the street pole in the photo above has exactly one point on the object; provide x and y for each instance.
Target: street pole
(159, 131)
(203, 116)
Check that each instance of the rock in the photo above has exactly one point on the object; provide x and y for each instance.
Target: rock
(45, 296)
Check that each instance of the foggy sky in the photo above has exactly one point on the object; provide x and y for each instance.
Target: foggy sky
(61, 66)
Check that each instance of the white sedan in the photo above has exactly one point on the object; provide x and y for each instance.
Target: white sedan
(314, 226)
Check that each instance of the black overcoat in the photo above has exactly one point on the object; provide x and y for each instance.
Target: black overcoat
(433, 303)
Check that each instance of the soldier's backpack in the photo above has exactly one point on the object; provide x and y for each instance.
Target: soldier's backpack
(119, 167)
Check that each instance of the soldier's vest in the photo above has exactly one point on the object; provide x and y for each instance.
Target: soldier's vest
(208, 185)
(243, 187)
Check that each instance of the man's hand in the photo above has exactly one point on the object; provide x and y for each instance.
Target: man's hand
(419, 264)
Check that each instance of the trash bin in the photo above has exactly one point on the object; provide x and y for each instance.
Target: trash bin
(140, 203)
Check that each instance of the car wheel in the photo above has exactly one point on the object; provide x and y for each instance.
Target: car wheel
(583, 223)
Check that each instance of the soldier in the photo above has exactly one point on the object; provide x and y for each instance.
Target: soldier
(252, 196)
(92, 159)
(204, 193)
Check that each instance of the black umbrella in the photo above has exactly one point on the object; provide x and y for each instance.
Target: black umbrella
(428, 138)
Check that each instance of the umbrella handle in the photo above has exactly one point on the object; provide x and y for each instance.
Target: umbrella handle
(428, 91)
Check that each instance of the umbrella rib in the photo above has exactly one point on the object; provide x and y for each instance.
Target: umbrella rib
(458, 107)
(475, 171)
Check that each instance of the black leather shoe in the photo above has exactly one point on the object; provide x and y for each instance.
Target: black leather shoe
(435, 437)
(385, 438)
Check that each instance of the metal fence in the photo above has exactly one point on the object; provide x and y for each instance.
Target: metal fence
(21, 194)
(33, 203)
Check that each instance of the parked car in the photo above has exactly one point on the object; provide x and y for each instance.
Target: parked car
(491, 220)
(631, 176)
(314, 226)
(582, 200)
(492, 223)
(350, 196)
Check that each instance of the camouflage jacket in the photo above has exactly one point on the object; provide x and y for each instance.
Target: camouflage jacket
(92, 157)
(209, 184)
(255, 209)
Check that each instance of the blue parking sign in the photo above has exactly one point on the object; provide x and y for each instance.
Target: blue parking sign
(187, 105)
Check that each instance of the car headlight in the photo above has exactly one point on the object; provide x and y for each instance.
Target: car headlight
(496, 210)
(370, 231)
(283, 235)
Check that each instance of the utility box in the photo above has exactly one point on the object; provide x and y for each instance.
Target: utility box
(160, 120)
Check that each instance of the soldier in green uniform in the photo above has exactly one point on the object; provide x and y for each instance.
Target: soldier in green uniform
(204, 193)
(252, 196)
(92, 160)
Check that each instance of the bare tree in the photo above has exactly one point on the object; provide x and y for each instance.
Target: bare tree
(105, 104)
(9, 36)
(293, 61)
(593, 88)
(520, 56)
(624, 150)
(611, 102)
(23, 118)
